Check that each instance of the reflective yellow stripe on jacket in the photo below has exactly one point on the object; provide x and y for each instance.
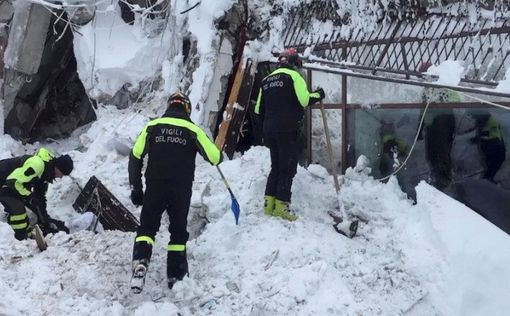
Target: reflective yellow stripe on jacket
(300, 88)
(33, 167)
(492, 128)
(45, 154)
(210, 149)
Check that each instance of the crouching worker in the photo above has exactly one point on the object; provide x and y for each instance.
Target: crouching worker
(24, 182)
(171, 143)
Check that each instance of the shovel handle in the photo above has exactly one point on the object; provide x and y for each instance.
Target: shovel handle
(330, 150)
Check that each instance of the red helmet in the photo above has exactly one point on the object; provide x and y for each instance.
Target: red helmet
(290, 56)
(424, 66)
(181, 100)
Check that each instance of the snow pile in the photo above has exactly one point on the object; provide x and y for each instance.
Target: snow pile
(264, 264)
(476, 253)
(449, 72)
(111, 53)
(433, 258)
(504, 85)
(406, 259)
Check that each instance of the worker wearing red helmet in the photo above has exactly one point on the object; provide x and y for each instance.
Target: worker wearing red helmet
(282, 98)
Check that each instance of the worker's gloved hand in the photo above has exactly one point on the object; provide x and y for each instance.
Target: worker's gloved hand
(34, 203)
(53, 226)
(38, 206)
(137, 197)
(222, 157)
(320, 91)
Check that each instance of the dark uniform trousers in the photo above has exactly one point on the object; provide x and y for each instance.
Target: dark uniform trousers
(494, 152)
(17, 214)
(161, 195)
(284, 151)
(439, 145)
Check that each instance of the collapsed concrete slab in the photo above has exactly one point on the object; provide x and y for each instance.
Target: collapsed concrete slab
(43, 96)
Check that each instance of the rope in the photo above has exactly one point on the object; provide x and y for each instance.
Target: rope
(421, 124)
(412, 147)
(480, 100)
(93, 57)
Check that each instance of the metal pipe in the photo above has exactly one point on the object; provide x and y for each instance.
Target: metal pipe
(409, 82)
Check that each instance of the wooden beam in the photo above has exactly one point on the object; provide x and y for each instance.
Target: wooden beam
(230, 107)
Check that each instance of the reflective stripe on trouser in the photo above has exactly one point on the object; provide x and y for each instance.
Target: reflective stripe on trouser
(161, 195)
(142, 248)
(174, 247)
(17, 217)
(19, 221)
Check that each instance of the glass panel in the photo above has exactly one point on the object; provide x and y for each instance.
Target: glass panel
(452, 145)
(366, 91)
(332, 85)
(319, 144)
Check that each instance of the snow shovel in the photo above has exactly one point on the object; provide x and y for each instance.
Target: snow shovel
(235, 205)
(39, 238)
(341, 225)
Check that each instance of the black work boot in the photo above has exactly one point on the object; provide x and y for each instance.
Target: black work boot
(176, 266)
(142, 252)
(139, 269)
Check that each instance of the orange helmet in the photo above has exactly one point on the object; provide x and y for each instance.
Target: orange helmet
(181, 100)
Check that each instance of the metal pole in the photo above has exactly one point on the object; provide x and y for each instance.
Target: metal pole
(309, 123)
(344, 116)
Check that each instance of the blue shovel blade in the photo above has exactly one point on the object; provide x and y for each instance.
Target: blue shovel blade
(236, 210)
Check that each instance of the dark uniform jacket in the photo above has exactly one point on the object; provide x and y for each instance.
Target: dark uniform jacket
(282, 98)
(27, 177)
(172, 142)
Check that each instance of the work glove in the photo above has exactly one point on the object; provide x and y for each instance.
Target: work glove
(38, 206)
(53, 226)
(137, 197)
(320, 91)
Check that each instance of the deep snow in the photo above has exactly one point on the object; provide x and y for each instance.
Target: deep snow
(433, 258)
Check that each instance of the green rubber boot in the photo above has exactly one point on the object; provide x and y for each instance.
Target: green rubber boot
(281, 209)
(269, 205)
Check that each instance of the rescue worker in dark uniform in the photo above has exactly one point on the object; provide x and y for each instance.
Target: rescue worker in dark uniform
(439, 127)
(24, 182)
(171, 143)
(393, 150)
(282, 98)
(490, 139)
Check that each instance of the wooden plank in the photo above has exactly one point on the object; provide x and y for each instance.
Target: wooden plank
(240, 109)
(229, 108)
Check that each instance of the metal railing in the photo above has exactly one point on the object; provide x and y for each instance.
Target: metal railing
(401, 46)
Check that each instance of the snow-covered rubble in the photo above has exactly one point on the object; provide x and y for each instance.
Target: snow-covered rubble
(434, 258)
(406, 259)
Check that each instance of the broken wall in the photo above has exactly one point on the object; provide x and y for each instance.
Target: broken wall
(42, 94)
